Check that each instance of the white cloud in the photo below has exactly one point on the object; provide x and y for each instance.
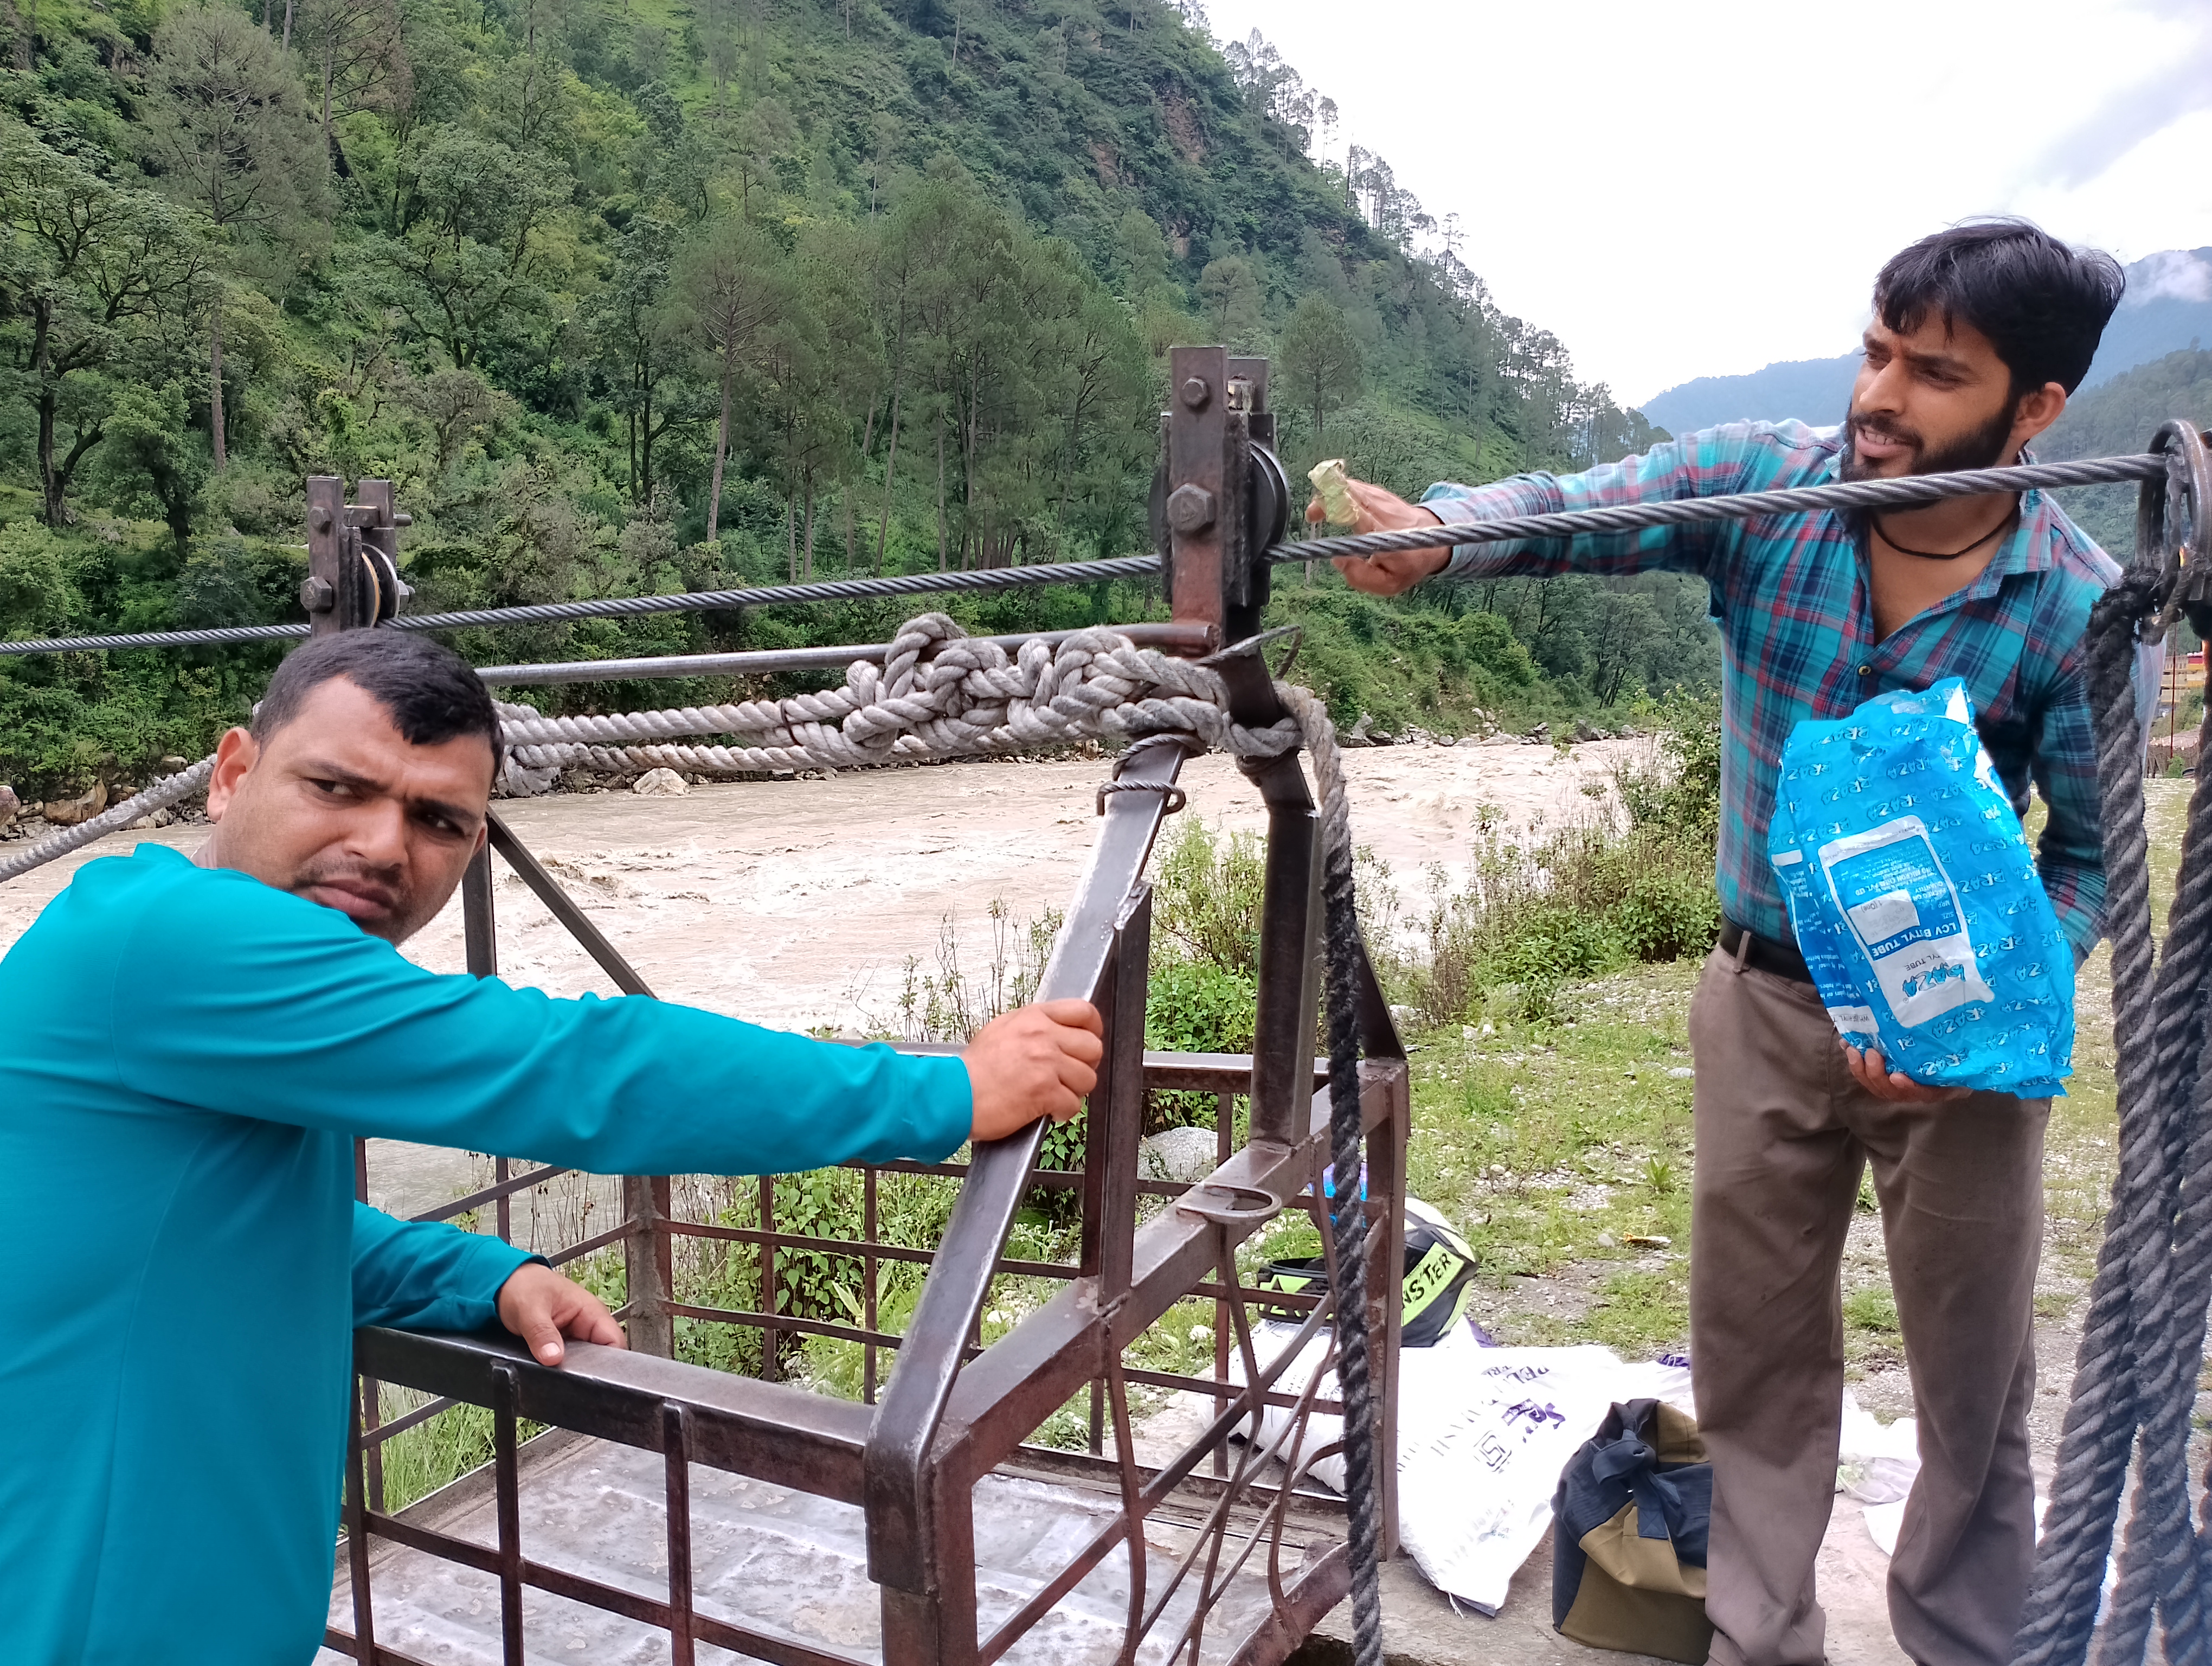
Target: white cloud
(1684, 192)
(2170, 275)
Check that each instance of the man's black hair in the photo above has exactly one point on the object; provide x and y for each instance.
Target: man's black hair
(2043, 306)
(432, 695)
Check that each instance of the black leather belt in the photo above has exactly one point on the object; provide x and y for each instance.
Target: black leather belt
(1778, 959)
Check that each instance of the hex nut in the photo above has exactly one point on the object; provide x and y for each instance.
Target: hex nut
(1190, 508)
(1196, 392)
(317, 595)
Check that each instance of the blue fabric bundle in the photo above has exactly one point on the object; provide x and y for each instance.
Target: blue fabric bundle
(1915, 897)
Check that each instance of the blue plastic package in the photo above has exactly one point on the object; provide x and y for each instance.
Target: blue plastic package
(1915, 898)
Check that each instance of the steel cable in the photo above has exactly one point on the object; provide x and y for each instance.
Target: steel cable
(1635, 517)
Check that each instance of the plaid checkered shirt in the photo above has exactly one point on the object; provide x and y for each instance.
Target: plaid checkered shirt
(1790, 595)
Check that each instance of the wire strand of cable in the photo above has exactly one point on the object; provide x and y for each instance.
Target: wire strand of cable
(1910, 491)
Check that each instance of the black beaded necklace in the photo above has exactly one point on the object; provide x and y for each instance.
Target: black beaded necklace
(1997, 531)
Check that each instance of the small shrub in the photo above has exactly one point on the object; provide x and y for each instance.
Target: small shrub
(1205, 899)
(1870, 1307)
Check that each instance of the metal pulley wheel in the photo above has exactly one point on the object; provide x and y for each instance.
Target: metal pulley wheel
(1267, 517)
(2173, 527)
(385, 589)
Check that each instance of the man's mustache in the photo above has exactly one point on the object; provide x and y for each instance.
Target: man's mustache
(380, 885)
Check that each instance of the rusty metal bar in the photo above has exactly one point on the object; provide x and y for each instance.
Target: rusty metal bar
(400, 1425)
(903, 1548)
(785, 1436)
(750, 1320)
(677, 1449)
(532, 872)
(1224, 1132)
(868, 1263)
(507, 1483)
(576, 1588)
(364, 1621)
(319, 592)
(1060, 1345)
(771, 1367)
(646, 1256)
(480, 935)
(645, 1198)
(1123, 1100)
(858, 1249)
(577, 1251)
(497, 1192)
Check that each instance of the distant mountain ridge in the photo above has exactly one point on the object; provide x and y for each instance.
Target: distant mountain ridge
(2167, 308)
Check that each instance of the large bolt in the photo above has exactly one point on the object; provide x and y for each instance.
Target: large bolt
(317, 596)
(1196, 392)
(1190, 508)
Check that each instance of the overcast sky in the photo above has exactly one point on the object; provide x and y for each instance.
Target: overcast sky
(1686, 190)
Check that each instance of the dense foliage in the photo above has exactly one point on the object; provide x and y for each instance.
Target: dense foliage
(2119, 417)
(698, 293)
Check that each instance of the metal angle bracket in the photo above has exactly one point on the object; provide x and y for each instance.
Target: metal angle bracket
(353, 556)
(1220, 496)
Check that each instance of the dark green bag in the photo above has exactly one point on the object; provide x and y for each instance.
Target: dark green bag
(1629, 1524)
(1439, 1278)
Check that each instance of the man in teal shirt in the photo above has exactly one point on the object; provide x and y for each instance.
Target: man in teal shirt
(191, 1048)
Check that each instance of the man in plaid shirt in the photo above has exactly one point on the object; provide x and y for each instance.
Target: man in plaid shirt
(1979, 334)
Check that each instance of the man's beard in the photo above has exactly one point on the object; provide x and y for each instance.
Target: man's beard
(1984, 447)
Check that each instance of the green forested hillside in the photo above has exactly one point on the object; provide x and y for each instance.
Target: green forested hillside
(2118, 418)
(650, 295)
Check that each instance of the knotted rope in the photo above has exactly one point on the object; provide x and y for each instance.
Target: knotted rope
(939, 694)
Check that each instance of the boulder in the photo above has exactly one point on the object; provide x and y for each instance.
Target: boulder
(9, 804)
(1469, 740)
(1539, 734)
(1585, 730)
(67, 812)
(660, 784)
(1357, 734)
(1180, 1156)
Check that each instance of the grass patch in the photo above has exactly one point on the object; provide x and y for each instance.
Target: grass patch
(1870, 1307)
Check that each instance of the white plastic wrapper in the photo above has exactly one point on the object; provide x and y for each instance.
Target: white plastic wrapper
(1483, 1434)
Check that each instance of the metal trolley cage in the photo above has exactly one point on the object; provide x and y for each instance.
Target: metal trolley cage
(1222, 1552)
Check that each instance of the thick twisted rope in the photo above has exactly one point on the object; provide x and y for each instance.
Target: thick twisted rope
(2159, 1571)
(1628, 517)
(2100, 1427)
(939, 694)
(1348, 1205)
(171, 789)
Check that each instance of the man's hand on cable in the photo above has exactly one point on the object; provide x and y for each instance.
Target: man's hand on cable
(1034, 1061)
(541, 1307)
(1871, 1071)
(1381, 510)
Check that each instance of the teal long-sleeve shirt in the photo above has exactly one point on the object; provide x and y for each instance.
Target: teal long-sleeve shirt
(185, 1056)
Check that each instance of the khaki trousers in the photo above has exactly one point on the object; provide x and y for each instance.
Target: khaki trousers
(1783, 1133)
